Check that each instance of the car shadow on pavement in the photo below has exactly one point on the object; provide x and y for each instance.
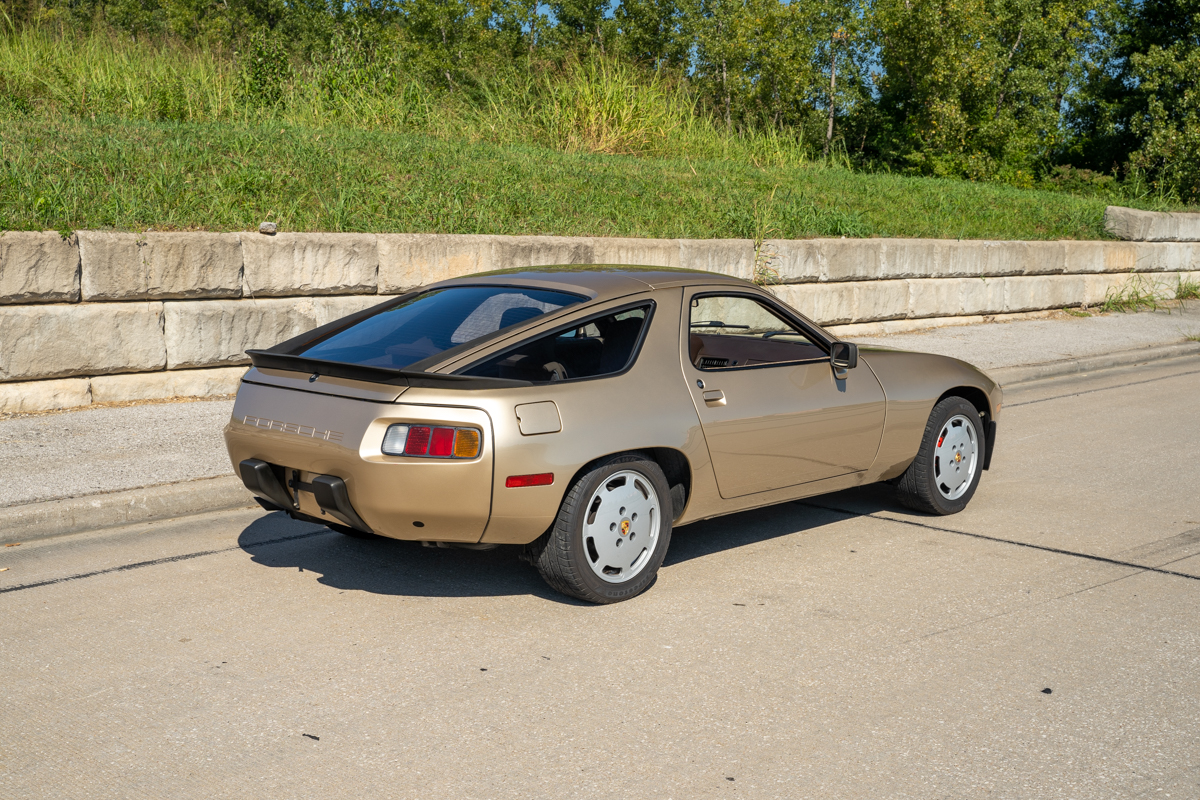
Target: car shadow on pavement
(390, 566)
(796, 517)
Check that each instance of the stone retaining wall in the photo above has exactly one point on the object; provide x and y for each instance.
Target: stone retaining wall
(1152, 226)
(108, 317)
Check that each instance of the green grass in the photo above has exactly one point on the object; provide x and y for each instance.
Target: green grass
(63, 172)
(1141, 293)
(100, 132)
(1136, 294)
(589, 107)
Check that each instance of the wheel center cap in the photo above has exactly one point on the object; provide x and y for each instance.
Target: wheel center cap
(624, 527)
(957, 457)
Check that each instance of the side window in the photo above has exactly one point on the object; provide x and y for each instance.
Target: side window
(600, 346)
(729, 331)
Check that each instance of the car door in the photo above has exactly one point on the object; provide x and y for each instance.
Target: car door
(773, 410)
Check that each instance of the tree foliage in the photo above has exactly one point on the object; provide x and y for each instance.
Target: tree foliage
(1139, 106)
(1021, 91)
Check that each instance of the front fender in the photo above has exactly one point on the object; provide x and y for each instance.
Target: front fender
(912, 384)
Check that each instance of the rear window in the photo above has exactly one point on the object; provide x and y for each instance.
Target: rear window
(434, 322)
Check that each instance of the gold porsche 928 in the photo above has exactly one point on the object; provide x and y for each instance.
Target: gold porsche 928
(585, 412)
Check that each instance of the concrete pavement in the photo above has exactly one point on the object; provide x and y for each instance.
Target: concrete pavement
(100, 467)
(1043, 643)
(999, 346)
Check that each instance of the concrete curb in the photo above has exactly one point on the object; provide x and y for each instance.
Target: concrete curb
(31, 521)
(1011, 376)
(95, 512)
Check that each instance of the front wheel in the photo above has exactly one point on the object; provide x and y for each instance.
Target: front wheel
(611, 533)
(943, 477)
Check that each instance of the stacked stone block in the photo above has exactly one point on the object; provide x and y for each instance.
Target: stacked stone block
(109, 317)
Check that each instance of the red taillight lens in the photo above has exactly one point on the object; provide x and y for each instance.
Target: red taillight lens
(441, 443)
(418, 442)
(517, 481)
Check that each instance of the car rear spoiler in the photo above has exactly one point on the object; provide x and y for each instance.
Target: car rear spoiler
(266, 359)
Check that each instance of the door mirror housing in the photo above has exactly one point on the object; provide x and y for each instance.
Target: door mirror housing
(844, 355)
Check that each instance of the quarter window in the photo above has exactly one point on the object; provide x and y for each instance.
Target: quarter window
(599, 346)
(727, 331)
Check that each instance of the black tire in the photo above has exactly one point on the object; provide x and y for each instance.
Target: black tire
(561, 554)
(918, 486)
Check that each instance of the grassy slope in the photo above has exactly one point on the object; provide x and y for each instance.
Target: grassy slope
(64, 173)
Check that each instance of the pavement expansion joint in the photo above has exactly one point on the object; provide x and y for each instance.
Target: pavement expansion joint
(157, 561)
(1044, 548)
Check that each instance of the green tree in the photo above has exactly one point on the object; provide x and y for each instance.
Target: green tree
(976, 88)
(1169, 128)
(765, 64)
(1138, 104)
(653, 33)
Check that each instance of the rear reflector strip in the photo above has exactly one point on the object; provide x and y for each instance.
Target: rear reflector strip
(418, 441)
(517, 481)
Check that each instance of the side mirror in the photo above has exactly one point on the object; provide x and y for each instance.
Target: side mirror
(844, 355)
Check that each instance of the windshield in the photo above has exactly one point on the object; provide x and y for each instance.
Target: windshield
(434, 322)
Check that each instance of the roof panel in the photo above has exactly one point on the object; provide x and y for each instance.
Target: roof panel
(600, 281)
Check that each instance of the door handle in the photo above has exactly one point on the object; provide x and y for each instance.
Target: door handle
(714, 397)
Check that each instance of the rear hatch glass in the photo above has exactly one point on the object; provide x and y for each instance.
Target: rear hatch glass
(417, 331)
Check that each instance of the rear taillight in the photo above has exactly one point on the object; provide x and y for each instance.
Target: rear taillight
(428, 441)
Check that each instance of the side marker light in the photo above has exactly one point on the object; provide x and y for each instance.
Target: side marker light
(517, 481)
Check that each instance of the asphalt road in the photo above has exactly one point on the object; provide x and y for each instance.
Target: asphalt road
(1042, 644)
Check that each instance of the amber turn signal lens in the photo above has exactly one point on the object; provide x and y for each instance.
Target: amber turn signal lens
(466, 443)
(517, 481)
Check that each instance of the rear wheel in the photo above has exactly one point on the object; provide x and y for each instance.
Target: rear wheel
(943, 477)
(611, 533)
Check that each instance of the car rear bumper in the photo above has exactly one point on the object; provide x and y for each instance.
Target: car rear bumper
(318, 456)
(329, 491)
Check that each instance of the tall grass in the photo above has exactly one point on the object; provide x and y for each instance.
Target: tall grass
(66, 173)
(96, 75)
(590, 107)
(99, 131)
